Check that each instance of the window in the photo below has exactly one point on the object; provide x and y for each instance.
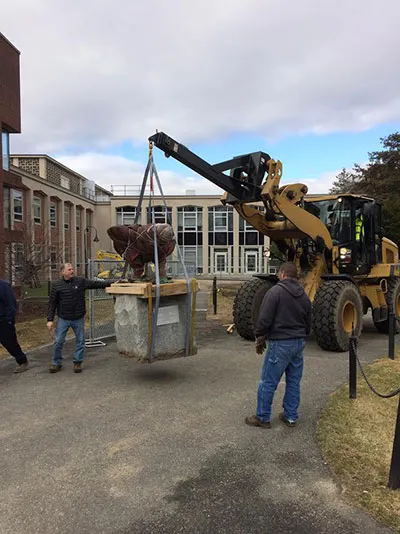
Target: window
(18, 205)
(161, 216)
(220, 222)
(65, 182)
(78, 257)
(37, 210)
(126, 215)
(78, 220)
(7, 207)
(53, 257)
(38, 255)
(67, 252)
(5, 150)
(88, 219)
(66, 216)
(18, 257)
(190, 219)
(53, 214)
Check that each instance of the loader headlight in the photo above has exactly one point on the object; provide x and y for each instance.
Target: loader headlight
(345, 255)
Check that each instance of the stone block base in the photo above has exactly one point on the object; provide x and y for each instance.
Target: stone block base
(134, 335)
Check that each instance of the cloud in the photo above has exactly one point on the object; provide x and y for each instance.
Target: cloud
(96, 74)
(110, 171)
(124, 175)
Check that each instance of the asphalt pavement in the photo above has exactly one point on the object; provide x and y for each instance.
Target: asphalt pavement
(129, 448)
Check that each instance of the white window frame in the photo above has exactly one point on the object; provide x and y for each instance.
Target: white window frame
(38, 255)
(78, 220)
(220, 214)
(53, 211)
(125, 215)
(37, 210)
(53, 257)
(67, 216)
(17, 216)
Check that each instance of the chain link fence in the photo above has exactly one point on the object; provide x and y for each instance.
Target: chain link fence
(100, 305)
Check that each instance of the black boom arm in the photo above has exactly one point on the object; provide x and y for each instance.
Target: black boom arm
(246, 172)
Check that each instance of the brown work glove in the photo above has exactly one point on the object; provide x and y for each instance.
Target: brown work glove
(261, 344)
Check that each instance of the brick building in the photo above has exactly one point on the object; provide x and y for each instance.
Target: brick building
(10, 123)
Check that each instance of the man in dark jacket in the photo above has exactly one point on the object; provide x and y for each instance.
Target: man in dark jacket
(8, 335)
(285, 320)
(67, 299)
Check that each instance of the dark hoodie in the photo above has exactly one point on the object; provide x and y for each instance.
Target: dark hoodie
(285, 312)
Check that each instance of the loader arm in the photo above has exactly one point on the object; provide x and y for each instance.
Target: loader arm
(284, 216)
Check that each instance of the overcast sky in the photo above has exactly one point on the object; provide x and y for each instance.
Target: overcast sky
(224, 77)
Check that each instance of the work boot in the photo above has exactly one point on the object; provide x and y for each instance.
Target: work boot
(54, 368)
(21, 368)
(253, 420)
(77, 367)
(288, 422)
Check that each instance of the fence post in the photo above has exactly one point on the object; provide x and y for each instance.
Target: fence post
(214, 294)
(394, 474)
(353, 367)
(392, 333)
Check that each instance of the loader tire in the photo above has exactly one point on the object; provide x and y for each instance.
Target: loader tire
(337, 306)
(393, 303)
(246, 305)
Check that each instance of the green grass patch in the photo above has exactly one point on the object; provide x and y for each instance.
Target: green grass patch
(356, 437)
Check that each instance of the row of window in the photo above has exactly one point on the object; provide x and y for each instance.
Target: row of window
(15, 257)
(14, 210)
(190, 218)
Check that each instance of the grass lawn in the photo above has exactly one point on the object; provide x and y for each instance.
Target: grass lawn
(356, 437)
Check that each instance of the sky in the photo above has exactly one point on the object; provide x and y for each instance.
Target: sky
(314, 84)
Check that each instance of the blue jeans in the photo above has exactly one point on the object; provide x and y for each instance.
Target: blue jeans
(282, 356)
(78, 326)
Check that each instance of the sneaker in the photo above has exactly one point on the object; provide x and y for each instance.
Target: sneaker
(253, 420)
(287, 421)
(54, 368)
(21, 368)
(77, 367)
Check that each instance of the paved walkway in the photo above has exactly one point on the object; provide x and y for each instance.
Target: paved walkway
(126, 448)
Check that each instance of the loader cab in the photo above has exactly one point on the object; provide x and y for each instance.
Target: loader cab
(355, 225)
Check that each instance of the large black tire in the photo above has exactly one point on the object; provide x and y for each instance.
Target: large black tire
(337, 306)
(246, 305)
(393, 303)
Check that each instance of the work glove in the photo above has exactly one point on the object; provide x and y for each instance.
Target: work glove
(260, 344)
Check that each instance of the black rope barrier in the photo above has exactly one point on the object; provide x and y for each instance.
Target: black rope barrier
(353, 348)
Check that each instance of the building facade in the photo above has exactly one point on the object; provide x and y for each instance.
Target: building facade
(212, 237)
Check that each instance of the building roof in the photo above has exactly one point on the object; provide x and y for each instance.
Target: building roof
(4, 38)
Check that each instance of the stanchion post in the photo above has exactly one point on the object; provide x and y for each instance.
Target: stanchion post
(392, 331)
(394, 474)
(214, 294)
(353, 367)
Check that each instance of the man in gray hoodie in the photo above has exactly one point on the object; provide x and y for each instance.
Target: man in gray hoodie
(285, 320)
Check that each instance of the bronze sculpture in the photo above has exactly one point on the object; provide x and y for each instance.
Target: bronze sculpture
(135, 243)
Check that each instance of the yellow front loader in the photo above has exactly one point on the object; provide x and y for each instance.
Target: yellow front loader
(347, 267)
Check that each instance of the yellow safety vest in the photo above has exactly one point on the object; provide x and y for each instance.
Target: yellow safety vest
(359, 228)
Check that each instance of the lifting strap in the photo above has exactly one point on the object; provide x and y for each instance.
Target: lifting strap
(152, 171)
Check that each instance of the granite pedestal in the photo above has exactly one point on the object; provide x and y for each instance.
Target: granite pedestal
(134, 326)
